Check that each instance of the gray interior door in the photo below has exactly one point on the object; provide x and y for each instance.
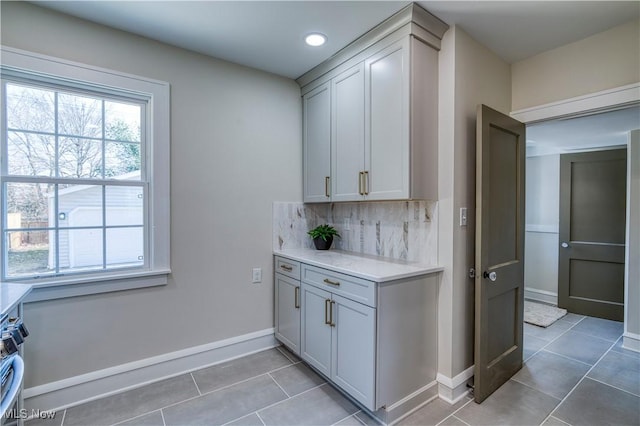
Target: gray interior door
(593, 194)
(499, 283)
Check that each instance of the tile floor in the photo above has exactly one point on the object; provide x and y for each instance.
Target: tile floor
(575, 373)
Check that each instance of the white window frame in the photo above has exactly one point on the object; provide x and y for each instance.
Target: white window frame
(157, 152)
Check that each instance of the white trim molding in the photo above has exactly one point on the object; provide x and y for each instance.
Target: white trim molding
(97, 384)
(541, 295)
(453, 389)
(593, 102)
(631, 341)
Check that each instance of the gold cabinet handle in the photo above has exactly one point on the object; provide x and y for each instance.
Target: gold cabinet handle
(296, 297)
(328, 281)
(327, 179)
(331, 323)
(366, 182)
(360, 191)
(286, 268)
(327, 307)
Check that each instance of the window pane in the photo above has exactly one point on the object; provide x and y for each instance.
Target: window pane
(30, 109)
(122, 121)
(79, 116)
(79, 205)
(80, 249)
(125, 247)
(29, 253)
(28, 205)
(80, 158)
(124, 205)
(122, 160)
(31, 154)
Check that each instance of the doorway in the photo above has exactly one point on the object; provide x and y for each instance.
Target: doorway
(547, 143)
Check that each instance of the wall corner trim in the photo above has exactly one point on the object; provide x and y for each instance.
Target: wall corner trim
(631, 341)
(453, 389)
(590, 103)
(101, 383)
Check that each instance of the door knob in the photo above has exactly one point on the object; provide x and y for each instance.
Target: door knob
(565, 244)
(491, 275)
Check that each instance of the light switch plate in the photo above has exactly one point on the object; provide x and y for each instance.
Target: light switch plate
(257, 275)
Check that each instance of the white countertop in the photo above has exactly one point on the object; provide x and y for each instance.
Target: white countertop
(11, 295)
(368, 267)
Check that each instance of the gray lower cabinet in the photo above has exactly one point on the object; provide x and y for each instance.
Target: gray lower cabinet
(377, 341)
(287, 304)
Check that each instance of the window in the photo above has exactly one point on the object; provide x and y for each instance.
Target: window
(80, 199)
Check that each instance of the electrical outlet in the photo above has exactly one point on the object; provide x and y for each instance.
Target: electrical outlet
(257, 275)
(463, 216)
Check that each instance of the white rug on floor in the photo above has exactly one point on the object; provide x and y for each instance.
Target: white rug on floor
(542, 315)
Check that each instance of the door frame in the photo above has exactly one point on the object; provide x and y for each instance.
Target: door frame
(603, 101)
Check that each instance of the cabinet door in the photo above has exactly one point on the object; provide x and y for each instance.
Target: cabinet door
(387, 103)
(347, 142)
(288, 312)
(353, 344)
(316, 124)
(316, 329)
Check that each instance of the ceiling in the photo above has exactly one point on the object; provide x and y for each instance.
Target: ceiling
(268, 35)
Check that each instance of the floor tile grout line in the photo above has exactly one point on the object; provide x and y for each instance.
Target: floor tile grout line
(64, 415)
(561, 421)
(578, 384)
(164, 422)
(135, 417)
(537, 390)
(345, 418)
(597, 337)
(260, 418)
(278, 384)
(455, 411)
(612, 386)
(282, 368)
(195, 383)
(635, 356)
(358, 419)
(457, 418)
(566, 357)
(283, 352)
(283, 400)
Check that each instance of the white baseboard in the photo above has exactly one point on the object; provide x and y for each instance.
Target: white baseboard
(631, 341)
(97, 384)
(453, 389)
(541, 295)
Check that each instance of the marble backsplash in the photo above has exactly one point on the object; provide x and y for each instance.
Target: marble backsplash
(405, 230)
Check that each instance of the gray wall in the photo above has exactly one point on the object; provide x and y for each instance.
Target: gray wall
(470, 74)
(632, 307)
(542, 221)
(235, 148)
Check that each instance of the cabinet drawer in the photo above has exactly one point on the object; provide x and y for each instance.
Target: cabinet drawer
(353, 288)
(287, 267)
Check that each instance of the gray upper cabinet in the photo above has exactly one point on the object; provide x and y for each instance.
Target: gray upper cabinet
(383, 115)
(316, 106)
(347, 134)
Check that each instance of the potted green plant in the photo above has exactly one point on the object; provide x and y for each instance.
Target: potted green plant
(323, 236)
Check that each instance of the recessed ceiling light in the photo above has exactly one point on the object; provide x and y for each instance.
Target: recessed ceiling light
(315, 39)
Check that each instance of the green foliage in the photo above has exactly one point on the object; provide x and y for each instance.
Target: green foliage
(323, 231)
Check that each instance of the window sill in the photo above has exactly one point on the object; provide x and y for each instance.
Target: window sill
(83, 286)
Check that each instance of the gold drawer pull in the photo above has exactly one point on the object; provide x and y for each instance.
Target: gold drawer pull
(328, 281)
(286, 268)
(326, 187)
(327, 306)
(331, 323)
(366, 182)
